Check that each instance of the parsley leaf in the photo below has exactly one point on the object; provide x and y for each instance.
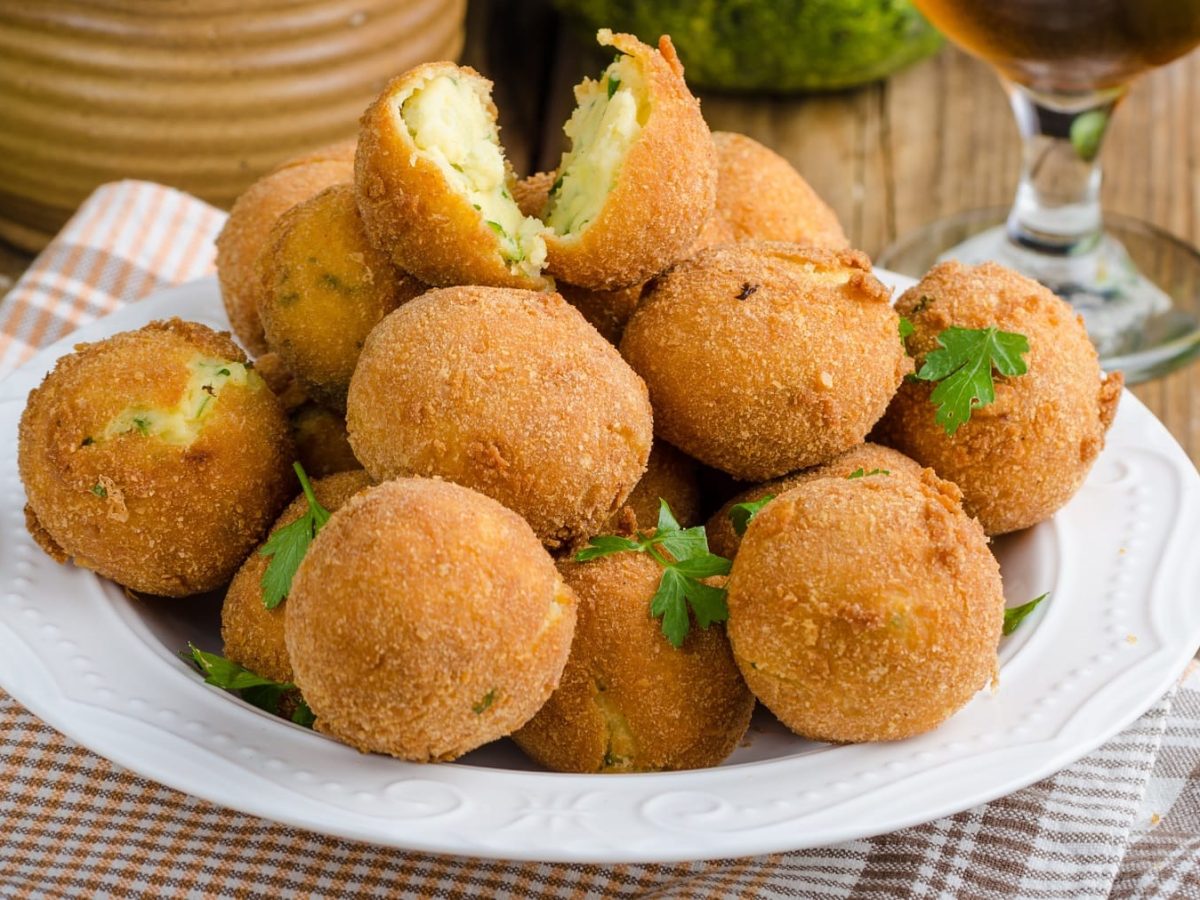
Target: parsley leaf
(862, 473)
(742, 514)
(1016, 615)
(287, 545)
(906, 328)
(613, 83)
(262, 692)
(963, 366)
(686, 560)
(99, 490)
(484, 703)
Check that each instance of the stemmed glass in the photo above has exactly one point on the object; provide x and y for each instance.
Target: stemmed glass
(1066, 64)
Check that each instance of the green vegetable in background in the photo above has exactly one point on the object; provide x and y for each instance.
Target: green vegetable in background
(772, 45)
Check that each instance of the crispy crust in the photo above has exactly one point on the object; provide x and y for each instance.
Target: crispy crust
(253, 634)
(508, 392)
(724, 541)
(665, 190)
(411, 212)
(762, 198)
(325, 286)
(156, 517)
(866, 609)
(246, 230)
(684, 709)
(1020, 459)
(607, 311)
(670, 475)
(759, 362)
(426, 620)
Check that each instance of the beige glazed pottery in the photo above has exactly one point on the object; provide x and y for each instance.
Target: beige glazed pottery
(205, 95)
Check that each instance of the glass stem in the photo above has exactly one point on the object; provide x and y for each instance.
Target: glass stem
(1057, 207)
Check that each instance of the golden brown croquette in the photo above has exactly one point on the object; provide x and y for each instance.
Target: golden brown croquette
(1020, 459)
(434, 187)
(629, 701)
(322, 444)
(762, 198)
(508, 392)
(253, 634)
(325, 286)
(865, 609)
(723, 540)
(671, 476)
(426, 620)
(640, 178)
(156, 457)
(608, 311)
(764, 358)
(245, 232)
(282, 383)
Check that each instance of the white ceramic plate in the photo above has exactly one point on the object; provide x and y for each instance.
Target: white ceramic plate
(1121, 623)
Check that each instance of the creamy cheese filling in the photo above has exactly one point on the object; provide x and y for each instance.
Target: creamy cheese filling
(450, 124)
(607, 120)
(181, 423)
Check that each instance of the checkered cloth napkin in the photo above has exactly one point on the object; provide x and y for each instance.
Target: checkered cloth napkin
(1123, 822)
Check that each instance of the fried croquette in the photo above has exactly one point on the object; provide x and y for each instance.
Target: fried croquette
(629, 701)
(426, 620)
(245, 232)
(608, 311)
(508, 392)
(671, 476)
(865, 460)
(322, 444)
(762, 198)
(325, 286)
(434, 187)
(640, 177)
(253, 634)
(1019, 459)
(865, 609)
(156, 457)
(764, 358)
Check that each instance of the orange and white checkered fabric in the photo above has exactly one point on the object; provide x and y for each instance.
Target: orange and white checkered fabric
(1122, 822)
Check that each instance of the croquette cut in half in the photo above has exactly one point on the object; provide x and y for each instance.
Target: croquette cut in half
(629, 701)
(426, 620)
(865, 609)
(510, 393)
(863, 461)
(760, 197)
(245, 232)
(156, 457)
(254, 635)
(640, 178)
(325, 286)
(1019, 459)
(608, 311)
(434, 187)
(765, 358)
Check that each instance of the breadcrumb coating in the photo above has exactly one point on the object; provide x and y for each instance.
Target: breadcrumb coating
(155, 457)
(629, 701)
(508, 392)
(426, 620)
(865, 609)
(764, 358)
(1020, 459)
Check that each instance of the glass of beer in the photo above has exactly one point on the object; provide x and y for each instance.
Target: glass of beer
(1066, 64)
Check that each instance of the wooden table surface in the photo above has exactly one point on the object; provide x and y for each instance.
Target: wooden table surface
(935, 139)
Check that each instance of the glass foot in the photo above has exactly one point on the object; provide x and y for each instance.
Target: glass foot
(1138, 290)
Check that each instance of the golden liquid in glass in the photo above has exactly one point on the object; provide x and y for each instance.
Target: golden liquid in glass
(1069, 46)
